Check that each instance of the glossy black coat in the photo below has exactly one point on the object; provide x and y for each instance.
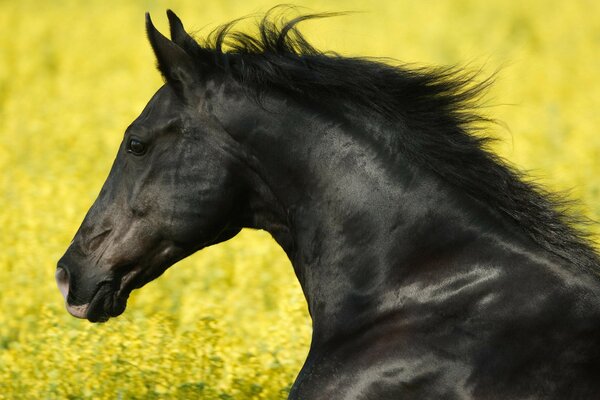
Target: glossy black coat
(418, 287)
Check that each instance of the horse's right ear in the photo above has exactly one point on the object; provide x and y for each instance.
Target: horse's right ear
(176, 66)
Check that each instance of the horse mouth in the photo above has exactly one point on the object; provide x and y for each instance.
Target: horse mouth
(103, 305)
(109, 300)
(111, 294)
(114, 301)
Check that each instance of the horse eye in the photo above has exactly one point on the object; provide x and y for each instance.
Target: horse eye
(136, 147)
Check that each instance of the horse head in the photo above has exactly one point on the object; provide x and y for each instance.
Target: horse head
(151, 211)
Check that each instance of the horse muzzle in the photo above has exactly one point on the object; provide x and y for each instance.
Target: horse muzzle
(94, 301)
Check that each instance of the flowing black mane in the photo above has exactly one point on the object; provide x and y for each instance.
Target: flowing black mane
(434, 112)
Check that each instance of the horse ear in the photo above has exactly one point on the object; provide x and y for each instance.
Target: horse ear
(184, 40)
(178, 33)
(173, 62)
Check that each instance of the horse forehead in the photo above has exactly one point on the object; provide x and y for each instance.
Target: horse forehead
(164, 105)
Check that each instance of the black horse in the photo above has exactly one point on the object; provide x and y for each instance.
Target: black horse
(431, 269)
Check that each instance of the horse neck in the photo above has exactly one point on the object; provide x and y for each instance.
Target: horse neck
(356, 221)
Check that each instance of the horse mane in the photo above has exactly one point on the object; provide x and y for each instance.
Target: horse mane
(435, 108)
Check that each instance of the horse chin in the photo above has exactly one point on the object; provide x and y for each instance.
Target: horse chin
(104, 305)
(110, 300)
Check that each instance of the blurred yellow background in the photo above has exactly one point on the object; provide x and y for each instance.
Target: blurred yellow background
(230, 322)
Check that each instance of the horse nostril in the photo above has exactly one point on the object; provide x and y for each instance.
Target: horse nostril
(62, 281)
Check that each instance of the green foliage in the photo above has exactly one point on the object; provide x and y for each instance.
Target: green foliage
(231, 322)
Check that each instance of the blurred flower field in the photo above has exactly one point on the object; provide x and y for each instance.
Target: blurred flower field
(230, 322)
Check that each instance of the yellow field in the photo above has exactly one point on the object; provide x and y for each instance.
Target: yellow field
(231, 322)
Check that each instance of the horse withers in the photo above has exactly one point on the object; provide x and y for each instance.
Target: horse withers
(431, 269)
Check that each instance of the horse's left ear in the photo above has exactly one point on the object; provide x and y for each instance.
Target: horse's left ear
(173, 62)
(178, 33)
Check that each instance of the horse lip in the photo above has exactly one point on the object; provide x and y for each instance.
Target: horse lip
(79, 311)
(82, 310)
(116, 303)
(104, 305)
